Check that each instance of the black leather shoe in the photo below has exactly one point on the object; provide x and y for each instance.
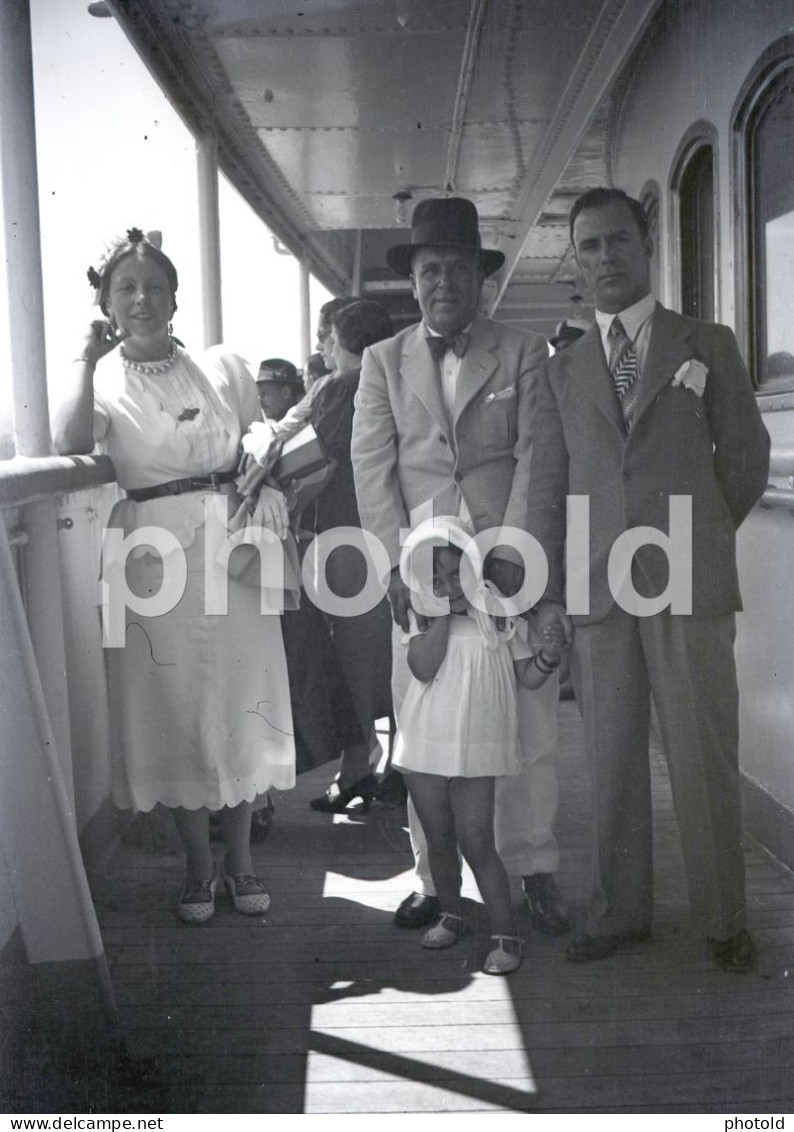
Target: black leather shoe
(392, 790)
(416, 911)
(737, 954)
(588, 948)
(547, 911)
(335, 801)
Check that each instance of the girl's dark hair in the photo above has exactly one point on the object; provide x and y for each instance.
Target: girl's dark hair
(361, 324)
(135, 242)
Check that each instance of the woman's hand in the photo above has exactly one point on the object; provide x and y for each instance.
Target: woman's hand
(100, 339)
(270, 510)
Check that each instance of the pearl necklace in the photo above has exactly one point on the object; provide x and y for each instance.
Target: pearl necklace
(150, 369)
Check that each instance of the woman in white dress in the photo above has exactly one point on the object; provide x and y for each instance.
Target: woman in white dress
(199, 702)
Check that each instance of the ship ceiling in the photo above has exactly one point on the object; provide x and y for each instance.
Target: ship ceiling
(324, 110)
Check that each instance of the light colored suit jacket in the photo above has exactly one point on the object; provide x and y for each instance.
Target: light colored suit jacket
(407, 453)
(713, 448)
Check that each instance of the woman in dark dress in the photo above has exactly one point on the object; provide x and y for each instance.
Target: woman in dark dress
(363, 642)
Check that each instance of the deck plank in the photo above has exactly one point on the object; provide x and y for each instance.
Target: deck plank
(324, 1006)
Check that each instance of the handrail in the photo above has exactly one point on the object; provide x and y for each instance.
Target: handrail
(776, 498)
(781, 461)
(27, 479)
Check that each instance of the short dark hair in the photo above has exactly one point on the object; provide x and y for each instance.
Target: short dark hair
(333, 306)
(597, 198)
(361, 324)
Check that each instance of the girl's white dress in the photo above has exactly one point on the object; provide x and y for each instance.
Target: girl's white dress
(200, 703)
(464, 722)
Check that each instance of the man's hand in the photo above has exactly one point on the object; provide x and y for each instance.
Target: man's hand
(400, 600)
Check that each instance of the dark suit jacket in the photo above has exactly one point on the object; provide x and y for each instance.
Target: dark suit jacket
(713, 448)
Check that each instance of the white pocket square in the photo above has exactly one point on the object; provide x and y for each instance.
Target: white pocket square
(691, 375)
(502, 395)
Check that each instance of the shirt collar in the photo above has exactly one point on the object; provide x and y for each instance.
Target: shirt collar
(434, 333)
(633, 317)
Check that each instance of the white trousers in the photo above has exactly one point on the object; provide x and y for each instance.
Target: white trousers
(526, 803)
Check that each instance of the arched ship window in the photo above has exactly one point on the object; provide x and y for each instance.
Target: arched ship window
(769, 134)
(696, 228)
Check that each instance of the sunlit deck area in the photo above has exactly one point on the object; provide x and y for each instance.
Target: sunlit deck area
(324, 1007)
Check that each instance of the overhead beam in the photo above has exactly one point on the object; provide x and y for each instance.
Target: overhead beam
(476, 15)
(617, 31)
(164, 48)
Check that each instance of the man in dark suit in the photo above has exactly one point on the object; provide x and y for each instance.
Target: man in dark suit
(443, 420)
(646, 406)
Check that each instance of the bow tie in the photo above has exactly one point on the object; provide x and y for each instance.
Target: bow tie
(458, 343)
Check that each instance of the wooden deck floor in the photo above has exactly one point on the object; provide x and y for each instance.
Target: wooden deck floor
(323, 1006)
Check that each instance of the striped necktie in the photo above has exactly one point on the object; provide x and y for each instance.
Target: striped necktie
(623, 367)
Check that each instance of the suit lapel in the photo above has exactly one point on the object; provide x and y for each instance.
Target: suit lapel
(586, 365)
(477, 364)
(420, 373)
(668, 348)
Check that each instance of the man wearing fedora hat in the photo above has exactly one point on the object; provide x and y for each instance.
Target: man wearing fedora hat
(279, 387)
(443, 417)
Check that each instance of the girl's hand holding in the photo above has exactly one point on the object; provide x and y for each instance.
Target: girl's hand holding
(553, 637)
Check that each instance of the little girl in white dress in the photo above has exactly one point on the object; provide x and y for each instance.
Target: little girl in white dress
(459, 729)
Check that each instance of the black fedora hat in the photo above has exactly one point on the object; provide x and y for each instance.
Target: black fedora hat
(443, 222)
(279, 372)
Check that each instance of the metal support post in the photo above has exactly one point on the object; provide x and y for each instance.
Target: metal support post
(22, 232)
(209, 238)
(305, 311)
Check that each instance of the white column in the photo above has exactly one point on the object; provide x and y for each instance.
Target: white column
(22, 234)
(28, 369)
(305, 311)
(58, 920)
(209, 238)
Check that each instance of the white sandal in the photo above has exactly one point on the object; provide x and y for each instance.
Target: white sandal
(502, 962)
(440, 935)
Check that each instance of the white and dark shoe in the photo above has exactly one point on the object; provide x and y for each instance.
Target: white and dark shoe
(248, 893)
(197, 902)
